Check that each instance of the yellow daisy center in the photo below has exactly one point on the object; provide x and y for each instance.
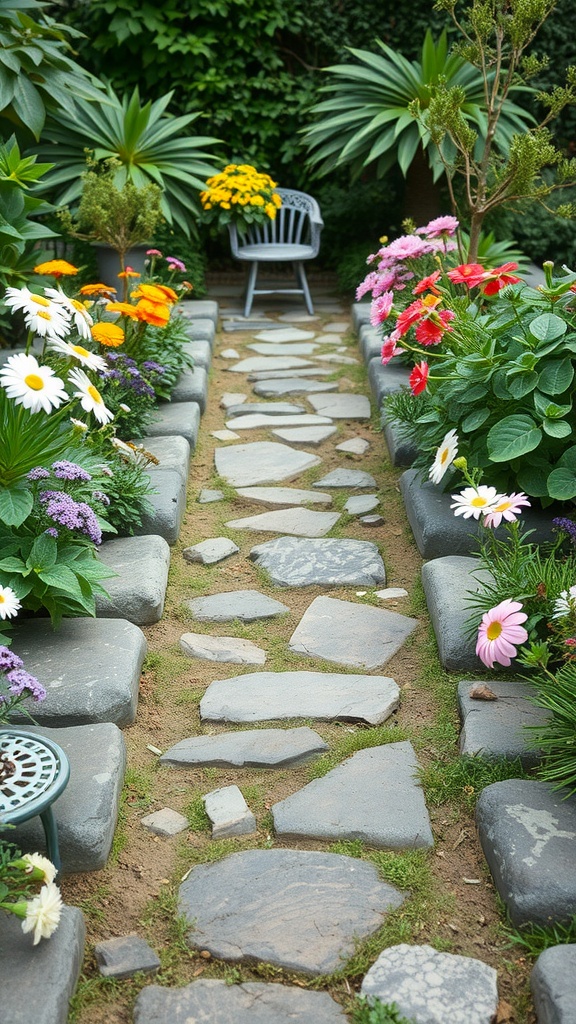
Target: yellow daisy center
(39, 300)
(78, 305)
(2, 599)
(45, 316)
(478, 501)
(34, 382)
(443, 456)
(494, 630)
(80, 351)
(94, 393)
(503, 506)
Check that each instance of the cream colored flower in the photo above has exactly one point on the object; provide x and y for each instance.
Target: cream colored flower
(43, 913)
(9, 603)
(444, 457)
(41, 315)
(76, 311)
(86, 358)
(36, 860)
(31, 385)
(90, 398)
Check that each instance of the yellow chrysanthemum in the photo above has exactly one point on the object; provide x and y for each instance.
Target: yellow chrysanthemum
(55, 268)
(108, 334)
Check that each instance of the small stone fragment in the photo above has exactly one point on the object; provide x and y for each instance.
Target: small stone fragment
(346, 478)
(229, 813)
(206, 496)
(230, 649)
(230, 398)
(304, 435)
(266, 408)
(391, 593)
(360, 503)
(224, 435)
(356, 446)
(373, 520)
(230, 353)
(124, 956)
(165, 822)
(210, 551)
(482, 692)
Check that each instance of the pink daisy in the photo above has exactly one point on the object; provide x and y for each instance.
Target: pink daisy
(380, 308)
(439, 226)
(500, 633)
(390, 348)
(508, 507)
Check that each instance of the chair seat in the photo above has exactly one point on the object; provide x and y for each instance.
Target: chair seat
(276, 252)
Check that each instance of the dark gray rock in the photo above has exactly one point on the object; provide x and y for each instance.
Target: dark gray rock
(165, 822)
(250, 748)
(177, 418)
(497, 728)
(137, 593)
(199, 309)
(373, 796)
(245, 605)
(89, 667)
(171, 452)
(347, 633)
(168, 504)
(447, 583)
(305, 911)
(346, 478)
(360, 314)
(429, 987)
(527, 832)
(552, 984)
(291, 562)
(402, 452)
(125, 955)
(261, 462)
(87, 810)
(217, 1002)
(37, 982)
(229, 813)
(191, 386)
(200, 351)
(386, 379)
(370, 342)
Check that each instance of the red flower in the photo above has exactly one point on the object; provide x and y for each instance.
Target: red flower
(410, 316)
(470, 274)
(499, 278)
(390, 349)
(419, 378)
(427, 283)
(430, 330)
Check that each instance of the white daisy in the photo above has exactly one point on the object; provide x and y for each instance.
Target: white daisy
(37, 860)
(41, 315)
(86, 358)
(43, 913)
(475, 501)
(31, 385)
(75, 309)
(565, 604)
(444, 457)
(9, 603)
(90, 398)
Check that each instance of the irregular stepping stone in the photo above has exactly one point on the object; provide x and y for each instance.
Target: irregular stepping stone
(254, 364)
(171, 452)
(267, 408)
(297, 318)
(230, 398)
(391, 593)
(137, 593)
(175, 418)
(165, 822)
(328, 561)
(293, 386)
(240, 324)
(346, 478)
(285, 334)
(429, 987)
(373, 796)
(89, 667)
(191, 386)
(375, 520)
(305, 435)
(260, 421)
(87, 810)
(210, 551)
(312, 371)
(124, 956)
(350, 634)
(305, 911)
(245, 605)
(229, 813)
(334, 357)
(261, 462)
(206, 496)
(222, 648)
(448, 583)
(325, 696)
(217, 1002)
(251, 748)
(304, 348)
(328, 339)
(527, 832)
(168, 504)
(338, 327)
(497, 728)
(355, 445)
(341, 406)
(552, 984)
(230, 353)
(299, 522)
(284, 496)
(37, 982)
(225, 435)
(358, 504)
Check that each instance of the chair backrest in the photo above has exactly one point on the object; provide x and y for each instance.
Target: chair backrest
(297, 222)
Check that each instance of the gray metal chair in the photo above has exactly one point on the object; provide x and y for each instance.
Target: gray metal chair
(292, 237)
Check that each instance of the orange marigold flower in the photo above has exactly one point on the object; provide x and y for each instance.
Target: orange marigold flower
(125, 308)
(108, 334)
(155, 313)
(55, 268)
(97, 289)
(124, 274)
(154, 293)
(169, 293)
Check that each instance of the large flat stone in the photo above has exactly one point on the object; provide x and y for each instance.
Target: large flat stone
(304, 435)
(341, 406)
(528, 835)
(200, 309)
(261, 462)
(299, 522)
(37, 982)
(328, 561)
(245, 605)
(285, 335)
(552, 984)
(350, 634)
(429, 987)
(87, 810)
(310, 371)
(346, 478)
(284, 496)
(268, 408)
(373, 796)
(177, 418)
(324, 696)
(217, 1002)
(137, 593)
(297, 909)
(255, 364)
(338, 358)
(191, 386)
(447, 584)
(359, 504)
(259, 421)
(251, 748)
(172, 453)
(168, 504)
(230, 649)
(497, 728)
(301, 348)
(89, 667)
(293, 386)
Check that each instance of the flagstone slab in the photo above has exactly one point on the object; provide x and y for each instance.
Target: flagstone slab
(251, 748)
(293, 386)
(191, 386)
(301, 348)
(87, 810)
(337, 327)
(346, 478)
(328, 339)
(291, 562)
(267, 408)
(341, 406)
(230, 398)
(354, 446)
(255, 364)
(208, 552)
(168, 505)
(225, 435)
(429, 987)
(284, 496)
(338, 358)
(552, 985)
(346, 633)
(497, 728)
(528, 833)
(298, 522)
(230, 649)
(207, 496)
(254, 323)
(261, 462)
(297, 909)
(324, 696)
(312, 371)
(217, 1002)
(384, 380)
(304, 435)
(176, 418)
(448, 583)
(165, 822)
(229, 813)
(245, 605)
(259, 421)
(171, 452)
(137, 593)
(391, 593)
(374, 796)
(297, 318)
(200, 309)
(358, 504)
(37, 982)
(125, 955)
(229, 353)
(200, 352)
(89, 667)
(284, 335)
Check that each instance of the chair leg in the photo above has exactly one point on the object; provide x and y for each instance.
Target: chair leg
(51, 833)
(251, 285)
(303, 281)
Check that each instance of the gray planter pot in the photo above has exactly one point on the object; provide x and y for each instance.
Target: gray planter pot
(109, 261)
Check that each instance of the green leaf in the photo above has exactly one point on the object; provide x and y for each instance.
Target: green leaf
(500, 386)
(556, 376)
(548, 327)
(474, 420)
(533, 476)
(13, 564)
(43, 554)
(63, 578)
(545, 408)
(522, 384)
(556, 428)
(562, 484)
(511, 437)
(15, 505)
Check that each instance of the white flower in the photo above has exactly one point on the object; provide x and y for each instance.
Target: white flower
(9, 603)
(36, 860)
(41, 315)
(90, 398)
(43, 913)
(75, 309)
(475, 501)
(124, 407)
(444, 457)
(565, 604)
(86, 358)
(31, 385)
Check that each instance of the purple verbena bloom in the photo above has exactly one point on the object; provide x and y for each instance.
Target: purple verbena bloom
(153, 367)
(74, 515)
(9, 660)
(21, 680)
(101, 497)
(65, 470)
(51, 531)
(38, 473)
(568, 526)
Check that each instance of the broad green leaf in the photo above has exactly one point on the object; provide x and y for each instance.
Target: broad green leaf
(63, 578)
(500, 386)
(522, 384)
(43, 554)
(474, 420)
(562, 484)
(533, 478)
(548, 327)
(15, 505)
(12, 564)
(568, 458)
(511, 437)
(545, 408)
(557, 428)
(556, 376)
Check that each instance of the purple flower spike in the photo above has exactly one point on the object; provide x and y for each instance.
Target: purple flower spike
(65, 470)
(20, 680)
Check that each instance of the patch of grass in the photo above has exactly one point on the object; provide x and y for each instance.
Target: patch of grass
(534, 938)
(418, 606)
(139, 786)
(255, 797)
(92, 991)
(91, 906)
(372, 1011)
(355, 739)
(196, 814)
(462, 779)
(188, 695)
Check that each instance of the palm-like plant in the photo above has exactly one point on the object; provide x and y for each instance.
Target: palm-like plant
(150, 145)
(372, 115)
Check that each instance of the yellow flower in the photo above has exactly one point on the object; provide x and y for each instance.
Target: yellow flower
(108, 334)
(270, 210)
(256, 201)
(55, 268)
